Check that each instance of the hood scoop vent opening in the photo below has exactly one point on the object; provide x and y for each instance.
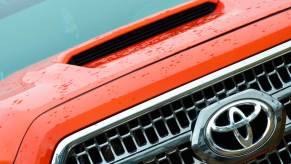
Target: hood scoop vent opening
(142, 33)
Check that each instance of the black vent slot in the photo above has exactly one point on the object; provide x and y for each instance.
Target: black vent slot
(141, 34)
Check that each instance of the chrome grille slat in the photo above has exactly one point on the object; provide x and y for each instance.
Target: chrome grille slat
(166, 121)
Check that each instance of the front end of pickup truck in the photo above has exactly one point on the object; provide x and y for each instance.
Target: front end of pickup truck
(205, 81)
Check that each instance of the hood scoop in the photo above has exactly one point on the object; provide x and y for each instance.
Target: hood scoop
(149, 27)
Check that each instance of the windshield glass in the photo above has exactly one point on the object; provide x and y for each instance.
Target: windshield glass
(31, 30)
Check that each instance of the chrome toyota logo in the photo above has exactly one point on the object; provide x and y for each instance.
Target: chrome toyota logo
(240, 127)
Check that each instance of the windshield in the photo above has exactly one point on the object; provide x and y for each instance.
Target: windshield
(31, 30)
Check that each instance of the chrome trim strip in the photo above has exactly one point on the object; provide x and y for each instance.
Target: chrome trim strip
(65, 145)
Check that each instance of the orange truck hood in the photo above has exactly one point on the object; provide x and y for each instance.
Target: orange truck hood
(35, 90)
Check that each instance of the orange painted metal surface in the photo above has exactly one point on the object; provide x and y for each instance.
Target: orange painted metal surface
(46, 102)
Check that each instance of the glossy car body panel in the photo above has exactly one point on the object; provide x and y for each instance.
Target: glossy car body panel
(125, 92)
(52, 99)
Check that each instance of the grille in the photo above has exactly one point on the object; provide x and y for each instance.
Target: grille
(172, 121)
(183, 154)
(141, 34)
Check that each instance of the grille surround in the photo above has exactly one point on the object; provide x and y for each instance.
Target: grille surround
(183, 91)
